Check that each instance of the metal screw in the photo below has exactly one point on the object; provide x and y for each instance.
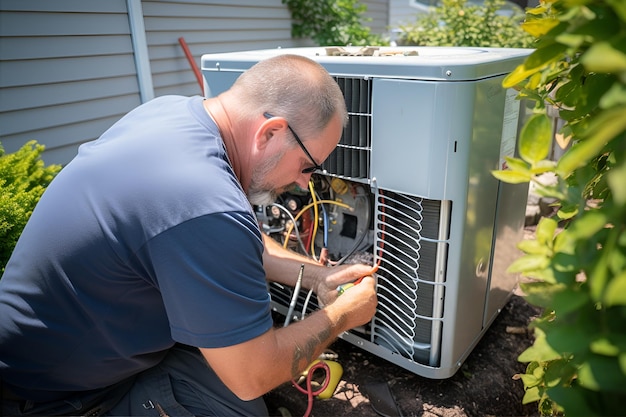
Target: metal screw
(449, 73)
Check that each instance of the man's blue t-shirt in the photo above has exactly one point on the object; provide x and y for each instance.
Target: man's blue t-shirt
(143, 240)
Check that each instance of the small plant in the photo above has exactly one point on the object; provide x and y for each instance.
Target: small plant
(23, 179)
(457, 23)
(331, 22)
(577, 363)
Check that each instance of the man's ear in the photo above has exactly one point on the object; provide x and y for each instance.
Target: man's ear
(268, 130)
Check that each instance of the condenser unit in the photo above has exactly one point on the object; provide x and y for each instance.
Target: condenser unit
(427, 125)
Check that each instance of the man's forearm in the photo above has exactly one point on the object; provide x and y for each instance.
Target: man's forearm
(253, 368)
(283, 265)
(314, 341)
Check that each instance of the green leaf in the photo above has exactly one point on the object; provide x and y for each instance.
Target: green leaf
(541, 294)
(545, 275)
(567, 93)
(567, 262)
(540, 351)
(531, 395)
(565, 242)
(615, 293)
(529, 263)
(539, 27)
(545, 55)
(569, 339)
(543, 166)
(530, 380)
(569, 300)
(588, 224)
(572, 400)
(567, 211)
(620, 8)
(617, 257)
(572, 39)
(516, 164)
(545, 230)
(539, 59)
(557, 372)
(533, 247)
(536, 139)
(602, 373)
(512, 177)
(604, 127)
(603, 57)
(615, 96)
(616, 179)
(603, 346)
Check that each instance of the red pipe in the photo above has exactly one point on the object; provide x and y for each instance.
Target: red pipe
(191, 61)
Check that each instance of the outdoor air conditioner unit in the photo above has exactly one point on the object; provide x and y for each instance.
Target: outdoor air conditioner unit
(427, 125)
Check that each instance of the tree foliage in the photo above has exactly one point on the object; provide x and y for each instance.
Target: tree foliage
(331, 22)
(23, 179)
(459, 23)
(577, 364)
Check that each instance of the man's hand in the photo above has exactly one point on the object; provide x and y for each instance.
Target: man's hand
(358, 304)
(326, 289)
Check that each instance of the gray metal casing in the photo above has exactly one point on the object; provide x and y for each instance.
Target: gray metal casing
(438, 123)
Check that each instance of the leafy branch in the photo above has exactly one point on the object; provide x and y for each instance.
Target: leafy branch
(23, 179)
(459, 23)
(577, 364)
(331, 22)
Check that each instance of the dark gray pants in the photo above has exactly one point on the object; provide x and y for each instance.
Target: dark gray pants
(181, 385)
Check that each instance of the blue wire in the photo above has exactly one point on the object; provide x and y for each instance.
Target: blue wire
(325, 217)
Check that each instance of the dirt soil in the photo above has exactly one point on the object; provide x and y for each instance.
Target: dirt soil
(483, 386)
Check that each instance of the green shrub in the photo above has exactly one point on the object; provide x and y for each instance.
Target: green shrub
(577, 364)
(457, 23)
(23, 179)
(331, 22)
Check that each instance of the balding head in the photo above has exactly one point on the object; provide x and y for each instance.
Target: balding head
(290, 86)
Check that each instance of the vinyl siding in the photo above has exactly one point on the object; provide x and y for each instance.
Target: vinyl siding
(378, 11)
(66, 73)
(207, 27)
(404, 11)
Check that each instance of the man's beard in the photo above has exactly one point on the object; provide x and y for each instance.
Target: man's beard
(261, 198)
(259, 192)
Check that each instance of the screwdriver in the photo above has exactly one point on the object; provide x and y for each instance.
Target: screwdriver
(343, 288)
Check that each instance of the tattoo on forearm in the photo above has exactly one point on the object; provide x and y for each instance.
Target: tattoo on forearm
(308, 351)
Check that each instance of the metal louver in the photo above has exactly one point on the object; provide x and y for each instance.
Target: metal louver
(351, 157)
(411, 241)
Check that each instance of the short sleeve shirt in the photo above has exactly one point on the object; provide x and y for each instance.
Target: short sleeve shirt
(145, 239)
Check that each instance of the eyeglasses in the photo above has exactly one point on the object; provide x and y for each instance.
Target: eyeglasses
(315, 166)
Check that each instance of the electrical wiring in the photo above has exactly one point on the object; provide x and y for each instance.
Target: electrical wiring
(325, 221)
(319, 365)
(315, 217)
(308, 241)
(294, 297)
(308, 206)
(293, 221)
(306, 303)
